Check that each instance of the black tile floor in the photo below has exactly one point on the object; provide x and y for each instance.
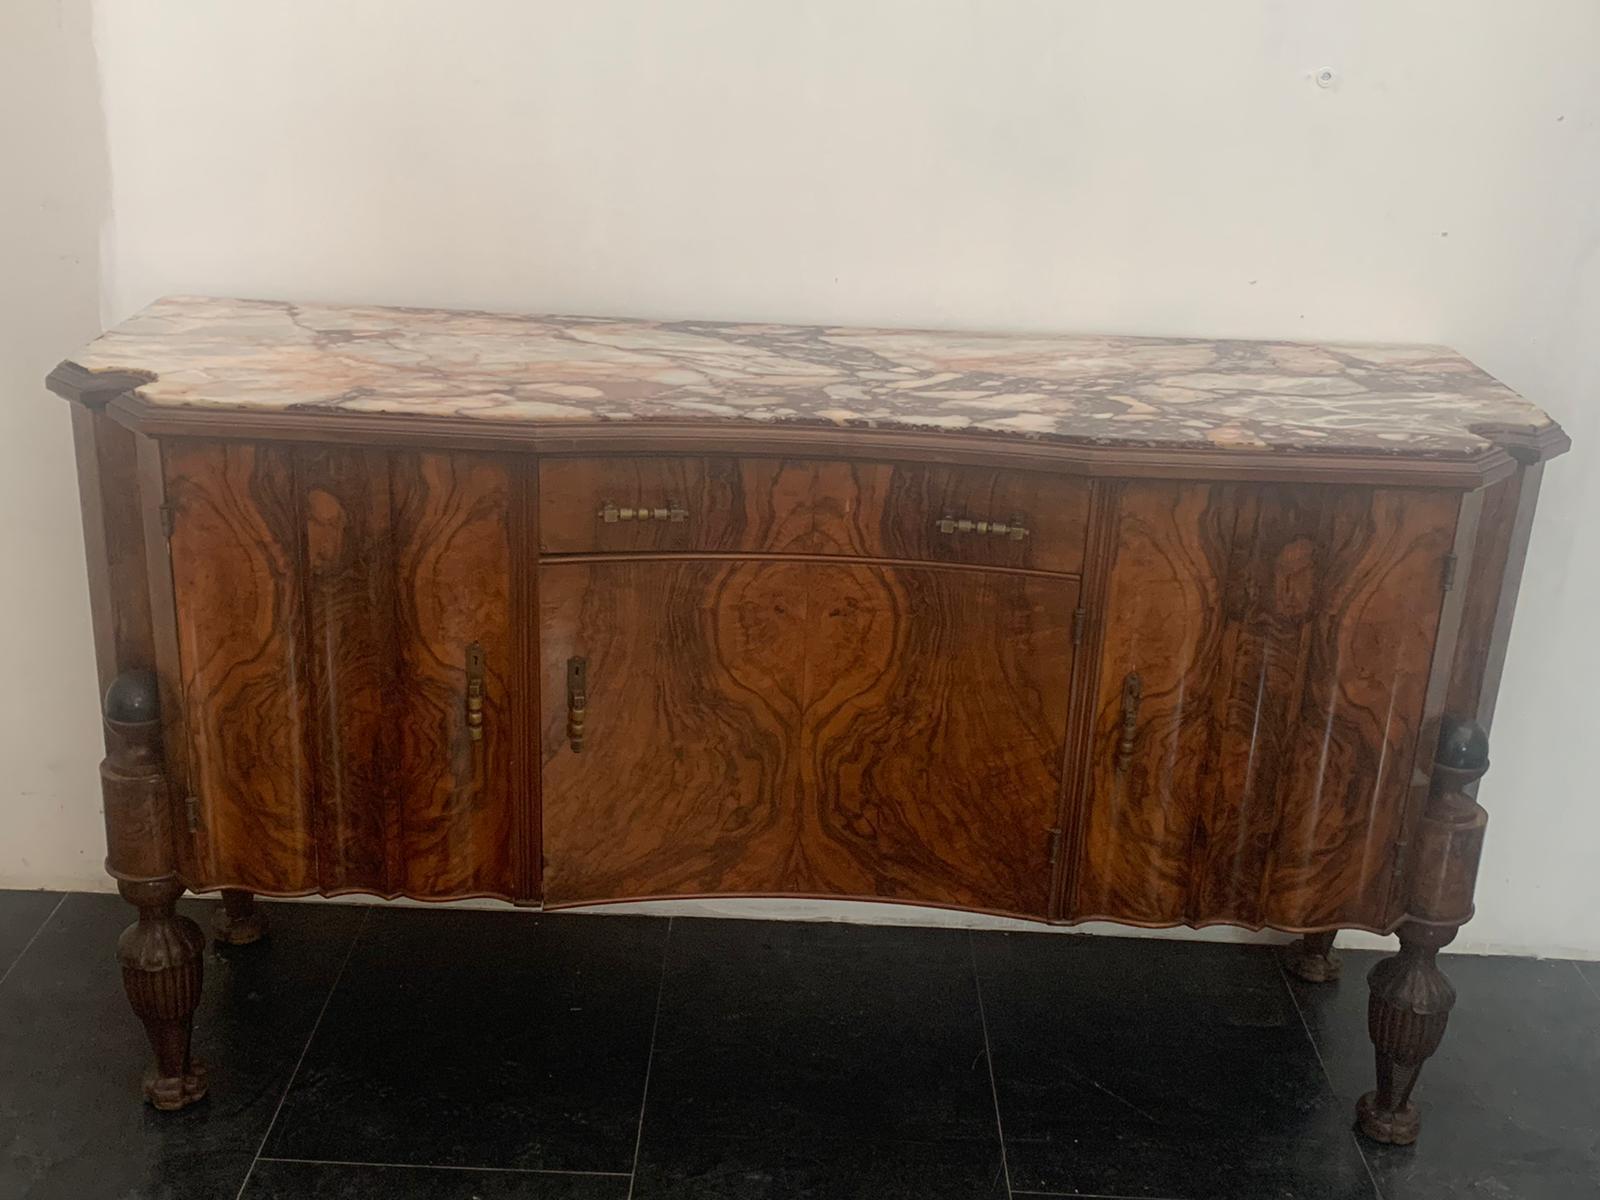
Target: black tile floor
(406, 1053)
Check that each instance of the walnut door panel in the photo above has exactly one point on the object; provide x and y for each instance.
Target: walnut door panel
(932, 741)
(326, 599)
(1281, 637)
(630, 504)
(453, 563)
(244, 663)
(686, 782)
(804, 729)
(936, 513)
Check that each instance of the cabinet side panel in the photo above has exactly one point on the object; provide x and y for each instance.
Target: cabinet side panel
(113, 535)
(244, 664)
(350, 601)
(1504, 527)
(453, 570)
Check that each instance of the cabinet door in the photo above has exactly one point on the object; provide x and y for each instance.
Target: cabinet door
(326, 600)
(932, 745)
(686, 779)
(804, 729)
(1281, 638)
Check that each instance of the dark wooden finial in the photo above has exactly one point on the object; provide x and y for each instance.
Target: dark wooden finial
(134, 698)
(1463, 745)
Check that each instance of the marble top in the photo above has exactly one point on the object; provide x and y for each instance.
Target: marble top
(1420, 401)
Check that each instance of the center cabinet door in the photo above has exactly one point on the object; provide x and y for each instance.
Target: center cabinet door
(753, 727)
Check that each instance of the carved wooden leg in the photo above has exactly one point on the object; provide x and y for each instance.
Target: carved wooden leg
(1407, 1012)
(238, 921)
(162, 964)
(1312, 959)
(1411, 999)
(161, 952)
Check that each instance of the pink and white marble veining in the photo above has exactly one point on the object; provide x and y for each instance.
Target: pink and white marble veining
(1168, 392)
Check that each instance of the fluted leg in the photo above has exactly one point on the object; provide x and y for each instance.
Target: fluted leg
(238, 921)
(1407, 1011)
(1312, 959)
(162, 964)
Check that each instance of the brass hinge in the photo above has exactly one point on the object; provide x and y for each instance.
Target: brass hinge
(1449, 571)
(191, 807)
(168, 520)
(1078, 619)
(1055, 845)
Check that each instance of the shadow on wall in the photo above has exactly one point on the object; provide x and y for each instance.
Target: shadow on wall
(53, 208)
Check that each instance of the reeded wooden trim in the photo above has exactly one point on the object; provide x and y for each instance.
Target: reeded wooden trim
(812, 441)
(526, 754)
(1104, 509)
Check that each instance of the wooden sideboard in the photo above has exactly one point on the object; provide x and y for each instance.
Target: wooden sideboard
(563, 611)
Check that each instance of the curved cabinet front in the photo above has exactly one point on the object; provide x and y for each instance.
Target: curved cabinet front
(801, 677)
(802, 728)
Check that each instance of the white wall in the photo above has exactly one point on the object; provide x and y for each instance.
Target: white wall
(1127, 165)
(54, 199)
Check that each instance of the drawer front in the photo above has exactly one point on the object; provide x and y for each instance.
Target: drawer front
(920, 512)
(931, 512)
(619, 505)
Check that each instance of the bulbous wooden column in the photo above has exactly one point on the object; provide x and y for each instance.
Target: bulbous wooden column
(1410, 1000)
(162, 952)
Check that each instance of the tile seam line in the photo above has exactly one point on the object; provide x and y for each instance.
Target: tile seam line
(650, 1059)
(28, 945)
(1592, 988)
(1327, 1076)
(988, 1061)
(401, 1166)
(283, 1096)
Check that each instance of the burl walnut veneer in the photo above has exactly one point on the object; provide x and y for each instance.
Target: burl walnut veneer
(565, 610)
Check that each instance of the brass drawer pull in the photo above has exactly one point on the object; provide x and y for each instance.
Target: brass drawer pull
(475, 692)
(1013, 529)
(611, 514)
(1132, 693)
(577, 700)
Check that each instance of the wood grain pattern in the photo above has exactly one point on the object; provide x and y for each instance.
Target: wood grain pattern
(688, 778)
(760, 727)
(453, 569)
(824, 507)
(245, 663)
(326, 599)
(756, 504)
(931, 745)
(890, 510)
(1283, 637)
(350, 602)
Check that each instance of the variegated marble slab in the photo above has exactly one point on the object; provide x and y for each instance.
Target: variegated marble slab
(1167, 392)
